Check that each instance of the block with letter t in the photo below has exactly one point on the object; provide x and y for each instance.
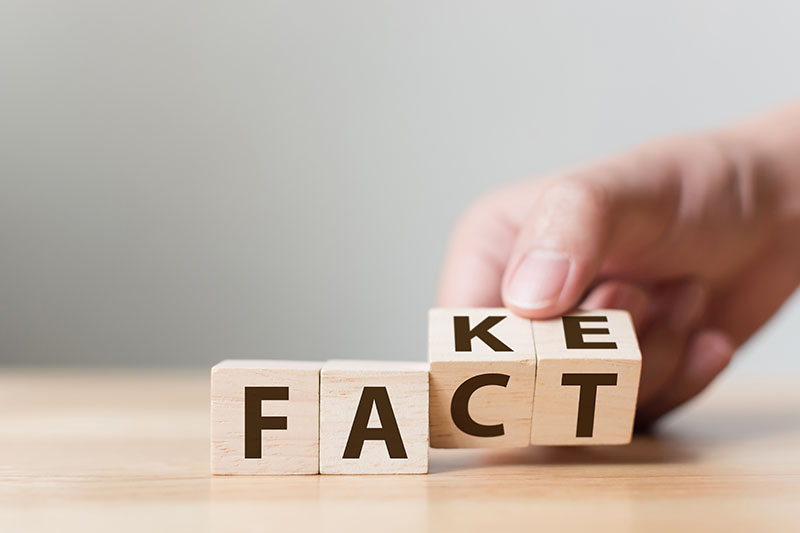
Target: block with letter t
(482, 365)
(587, 380)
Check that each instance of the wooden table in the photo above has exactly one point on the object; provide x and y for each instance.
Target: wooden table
(129, 451)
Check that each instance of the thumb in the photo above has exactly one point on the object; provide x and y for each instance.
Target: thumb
(580, 222)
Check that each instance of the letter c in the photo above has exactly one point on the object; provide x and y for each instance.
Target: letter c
(459, 405)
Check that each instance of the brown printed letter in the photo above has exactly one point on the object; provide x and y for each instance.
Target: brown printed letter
(464, 335)
(459, 405)
(573, 333)
(587, 398)
(388, 432)
(254, 422)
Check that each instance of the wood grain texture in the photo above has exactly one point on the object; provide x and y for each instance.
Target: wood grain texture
(294, 450)
(389, 395)
(609, 366)
(90, 450)
(509, 404)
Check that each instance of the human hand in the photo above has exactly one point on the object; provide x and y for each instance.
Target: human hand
(697, 237)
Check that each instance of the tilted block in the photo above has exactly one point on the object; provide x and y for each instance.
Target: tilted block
(483, 366)
(373, 418)
(265, 417)
(587, 379)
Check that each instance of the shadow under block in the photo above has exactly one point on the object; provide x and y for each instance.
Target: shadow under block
(373, 418)
(483, 367)
(265, 417)
(587, 380)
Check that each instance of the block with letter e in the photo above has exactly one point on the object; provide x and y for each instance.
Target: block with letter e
(482, 365)
(265, 417)
(587, 380)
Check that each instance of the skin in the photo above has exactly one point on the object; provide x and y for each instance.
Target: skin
(697, 236)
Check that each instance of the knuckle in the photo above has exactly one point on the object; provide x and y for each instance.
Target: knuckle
(577, 194)
(747, 196)
(478, 212)
(485, 219)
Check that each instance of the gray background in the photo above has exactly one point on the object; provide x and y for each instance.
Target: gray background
(183, 181)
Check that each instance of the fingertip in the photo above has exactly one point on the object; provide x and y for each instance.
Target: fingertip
(543, 312)
(546, 283)
(620, 295)
(531, 314)
(459, 292)
(537, 279)
(708, 354)
(476, 257)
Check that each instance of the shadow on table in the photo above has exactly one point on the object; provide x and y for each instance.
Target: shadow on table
(644, 449)
(735, 427)
(680, 440)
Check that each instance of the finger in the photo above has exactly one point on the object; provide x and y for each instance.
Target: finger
(620, 295)
(474, 263)
(676, 312)
(612, 211)
(758, 292)
(708, 354)
(480, 246)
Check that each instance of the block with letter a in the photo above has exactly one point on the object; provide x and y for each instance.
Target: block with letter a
(373, 417)
(587, 380)
(482, 365)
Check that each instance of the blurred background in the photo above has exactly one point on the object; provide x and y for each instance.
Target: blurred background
(184, 181)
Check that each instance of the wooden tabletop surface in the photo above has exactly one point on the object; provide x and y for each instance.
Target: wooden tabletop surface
(129, 451)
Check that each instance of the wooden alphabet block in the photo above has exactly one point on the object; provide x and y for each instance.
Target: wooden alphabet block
(587, 379)
(265, 417)
(483, 366)
(373, 418)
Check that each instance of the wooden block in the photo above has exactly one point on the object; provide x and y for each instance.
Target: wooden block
(587, 379)
(265, 417)
(373, 418)
(483, 367)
